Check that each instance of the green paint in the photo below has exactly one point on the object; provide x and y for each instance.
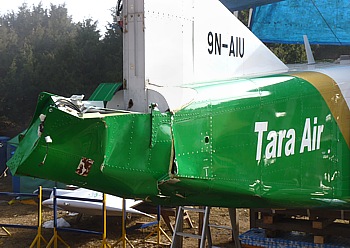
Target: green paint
(105, 91)
(207, 153)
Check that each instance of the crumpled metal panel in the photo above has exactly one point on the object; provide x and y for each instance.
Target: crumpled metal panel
(269, 141)
(110, 153)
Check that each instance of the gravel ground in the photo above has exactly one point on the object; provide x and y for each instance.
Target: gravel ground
(25, 213)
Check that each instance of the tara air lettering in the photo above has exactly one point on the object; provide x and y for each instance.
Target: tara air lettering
(282, 142)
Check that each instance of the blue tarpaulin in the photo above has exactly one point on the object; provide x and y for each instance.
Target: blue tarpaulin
(234, 5)
(323, 21)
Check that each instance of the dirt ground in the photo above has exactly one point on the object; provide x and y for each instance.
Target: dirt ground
(25, 213)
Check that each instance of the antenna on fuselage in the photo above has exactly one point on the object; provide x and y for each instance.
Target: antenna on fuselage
(309, 55)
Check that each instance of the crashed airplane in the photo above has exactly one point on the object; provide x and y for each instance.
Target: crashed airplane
(206, 115)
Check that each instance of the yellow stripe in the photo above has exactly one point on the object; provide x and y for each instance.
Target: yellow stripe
(334, 98)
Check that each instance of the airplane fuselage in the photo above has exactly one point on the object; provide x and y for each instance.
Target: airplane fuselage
(233, 127)
(273, 141)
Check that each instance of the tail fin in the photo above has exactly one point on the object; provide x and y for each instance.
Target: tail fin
(172, 43)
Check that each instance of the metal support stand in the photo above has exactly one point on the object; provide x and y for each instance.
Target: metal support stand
(203, 228)
(6, 231)
(158, 230)
(104, 235)
(235, 226)
(55, 238)
(39, 236)
(179, 234)
(123, 238)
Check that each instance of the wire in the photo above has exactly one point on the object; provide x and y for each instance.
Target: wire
(324, 19)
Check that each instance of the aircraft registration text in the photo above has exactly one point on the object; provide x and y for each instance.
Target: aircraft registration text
(235, 47)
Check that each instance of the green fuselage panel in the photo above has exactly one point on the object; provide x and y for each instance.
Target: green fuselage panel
(271, 141)
(260, 142)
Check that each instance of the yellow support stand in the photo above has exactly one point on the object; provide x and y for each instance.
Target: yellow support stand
(55, 238)
(6, 231)
(123, 238)
(159, 230)
(104, 235)
(39, 236)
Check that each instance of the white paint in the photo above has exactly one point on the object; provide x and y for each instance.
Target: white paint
(167, 44)
(341, 75)
(309, 55)
(48, 139)
(311, 140)
(290, 145)
(113, 203)
(260, 128)
(306, 139)
(176, 44)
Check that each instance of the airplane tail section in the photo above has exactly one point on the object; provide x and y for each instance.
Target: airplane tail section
(201, 40)
(173, 43)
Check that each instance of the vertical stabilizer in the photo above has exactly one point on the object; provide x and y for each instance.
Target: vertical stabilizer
(172, 43)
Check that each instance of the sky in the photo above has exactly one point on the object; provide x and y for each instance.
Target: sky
(78, 9)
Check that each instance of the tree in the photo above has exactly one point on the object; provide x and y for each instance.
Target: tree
(289, 53)
(43, 50)
(113, 52)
